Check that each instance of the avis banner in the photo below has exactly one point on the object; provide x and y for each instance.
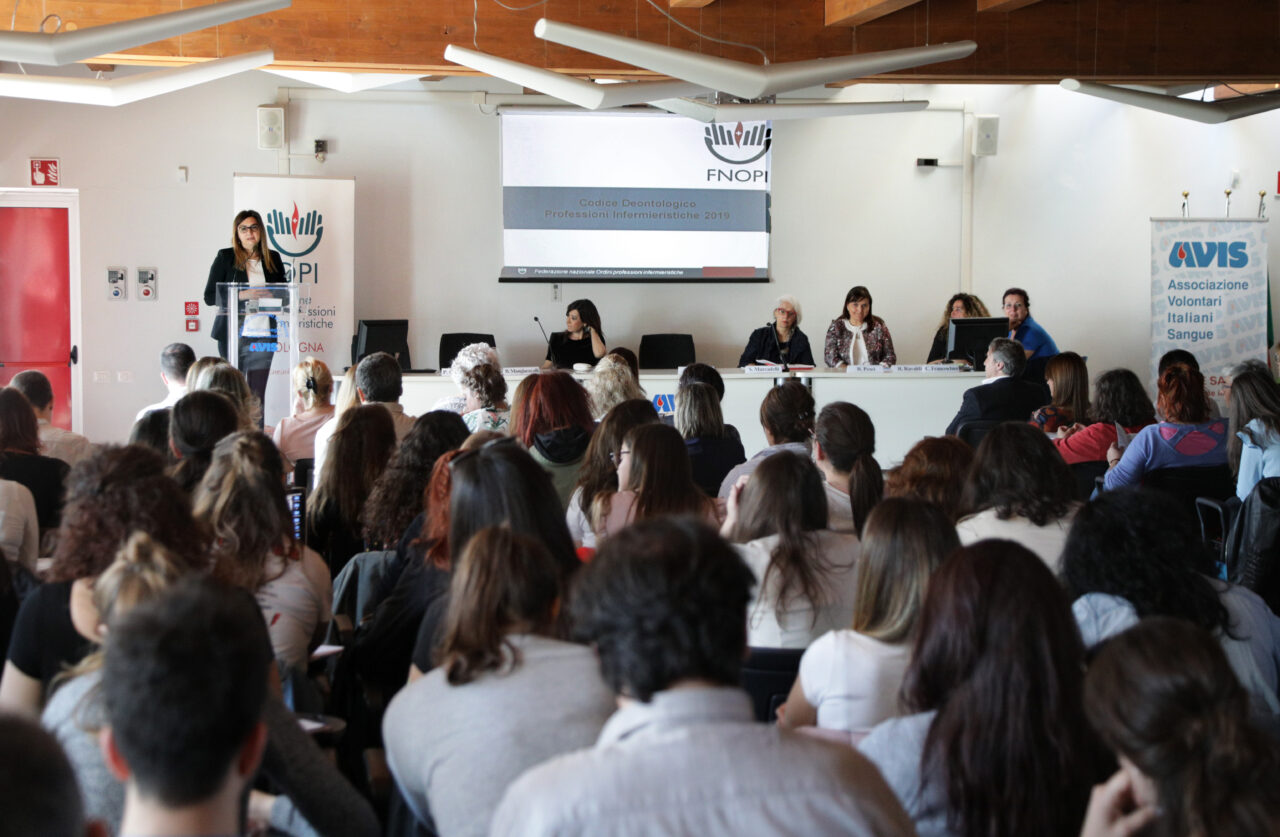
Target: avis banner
(1209, 294)
(310, 222)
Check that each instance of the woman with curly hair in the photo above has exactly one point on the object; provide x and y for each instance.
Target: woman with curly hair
(1192, 760)
(599, 474)
(1019, 489)
(110, 495)
(611, 383)
(1120, 406)
(1132, 554)
(241, 501)
(958, 307)
(397, 495)
(486, 392)
(935, 470)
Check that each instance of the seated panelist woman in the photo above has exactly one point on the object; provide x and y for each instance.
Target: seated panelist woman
(582, 340)
(857, 337)
(958, 307)
(781, 341)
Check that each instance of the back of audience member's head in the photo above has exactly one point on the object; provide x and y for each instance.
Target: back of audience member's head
(1119, 398)
(197, 422)
(200, 367)
(786, 413)
(660, 473)
(1173, 356)
(18, 428)
(1137, 544)
(904, 541)
(611, 383)
(183, 688)
(39, 794)
(1164, 697)
(35, 386)
(1255, 397)
(484, 382)
(347, 395)
(175, 361)
(397, 495)
(1182, 398)
(500, 483)
(552, 400)
(1009, 354)
(934, 469)
(504, 583)
(998, 649)
(470, 356)
(112, 494)
(358, 452)
(229, 381)
(702, 373)
(436, 505)
(599, 472)
(698, 413)
(312, 382)
(1018, 472)
(664, 601)
(628, 357)
(241, 499)
(848, 440)
(1068, 376)
(785, 497)
(152, 431)
(378, 378)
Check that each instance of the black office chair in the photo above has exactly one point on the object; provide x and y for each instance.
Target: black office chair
(1251, 552)
(452, 343)
(1087, 475)
(1187, 483)
(973, 432)
(767, 676)
(666, 351)
(304, 473)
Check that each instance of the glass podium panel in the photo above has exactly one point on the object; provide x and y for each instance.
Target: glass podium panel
(262, 343)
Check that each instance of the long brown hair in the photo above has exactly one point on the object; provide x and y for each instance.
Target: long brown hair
(262, 253)
(599, 474)
(934, 470)
(1070, 377)
(661, 475)
(785, 497)
(18, 427)
(1254, 396)
(358, 454)
(504, 583)
(848, 439)
(999, 658)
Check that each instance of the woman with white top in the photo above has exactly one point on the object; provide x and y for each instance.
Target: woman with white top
(778, 519)
(1253, 446)
(849, 678)
(857, 337)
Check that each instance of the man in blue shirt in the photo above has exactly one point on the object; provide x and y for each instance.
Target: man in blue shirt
(1035, 341)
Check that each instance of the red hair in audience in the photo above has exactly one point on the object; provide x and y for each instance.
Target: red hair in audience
(934, 470)
(551, 400)
(435, 501)
(1182, 398)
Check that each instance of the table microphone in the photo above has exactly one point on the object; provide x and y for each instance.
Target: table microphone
(782, 353)
(550, 351)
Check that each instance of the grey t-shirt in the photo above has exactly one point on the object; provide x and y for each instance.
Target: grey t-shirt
(896, 746)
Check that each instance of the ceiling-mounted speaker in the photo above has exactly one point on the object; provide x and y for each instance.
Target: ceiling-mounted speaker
(986, 135)
(270, 128)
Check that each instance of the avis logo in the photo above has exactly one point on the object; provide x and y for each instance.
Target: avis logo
(664, 403)
(740, 145)
(294, 235)
(1209, 253)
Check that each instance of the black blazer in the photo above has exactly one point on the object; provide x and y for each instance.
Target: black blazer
(1006, 399)
(763, 343)
(224, 269)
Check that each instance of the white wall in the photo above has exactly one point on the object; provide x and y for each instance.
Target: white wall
(1061, 210)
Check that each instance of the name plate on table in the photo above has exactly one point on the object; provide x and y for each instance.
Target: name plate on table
(944, 368)
(912, 368)
(512, 371)
(761, 369)
(873, 368)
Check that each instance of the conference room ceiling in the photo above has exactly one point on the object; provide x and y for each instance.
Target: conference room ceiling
(1155, 42)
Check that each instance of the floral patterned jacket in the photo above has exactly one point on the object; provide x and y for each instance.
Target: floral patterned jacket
(879, 343)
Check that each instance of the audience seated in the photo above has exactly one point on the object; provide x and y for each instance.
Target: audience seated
(358, 453)
(553, 421)
(241, 502)
(654, 480)
(786, 414)
(1120, 407)
(806, 572)
(175, 362)
(225, 379)
(850, 677)
(468, 357)
(844, 446)
(1253, 446)
(508, 692)
(998, 742)
(19, 524)
(664, 605)
(486, 392)
(1019, 489)
(22, 462)
(599, 473)
(1132, 554)
(152, 431)
(1005, 395)
(112, 494)
(295, 435)
(1164, 698)
(38, 790)
(377, 381)
(56, 442)
(1067, 378)
(934, 469)
(712, 453)
(703, 373)
(196, 424)
(611, 383)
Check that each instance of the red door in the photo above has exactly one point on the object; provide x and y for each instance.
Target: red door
(35, 300)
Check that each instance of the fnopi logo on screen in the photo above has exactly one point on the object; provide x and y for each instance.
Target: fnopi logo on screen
(1209, 254)
(738, 145)
(295, 235)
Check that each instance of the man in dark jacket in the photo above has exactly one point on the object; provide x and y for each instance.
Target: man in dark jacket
(1004, 395)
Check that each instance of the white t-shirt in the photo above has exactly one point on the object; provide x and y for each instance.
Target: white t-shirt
(1045, 541)
(578, 522)
(296, 605)
(802, 621)
(853, 679)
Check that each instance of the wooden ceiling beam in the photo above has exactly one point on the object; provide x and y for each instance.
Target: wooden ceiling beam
(690, 4)
(1003, 5)
(858, 12)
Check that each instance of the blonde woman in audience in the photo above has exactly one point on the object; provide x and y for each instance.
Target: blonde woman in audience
(610, 384)
(850, 678)
(295, 435)
(507, 693)
(486, 393)
(778, 519)
(200, 367)
(599, 474)
(713, 453)
(241, 501)
(348, 397)
(227, 380)
(654, 480)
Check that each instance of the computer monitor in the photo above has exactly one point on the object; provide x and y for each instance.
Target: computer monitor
(969, 337)
(390, 336)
